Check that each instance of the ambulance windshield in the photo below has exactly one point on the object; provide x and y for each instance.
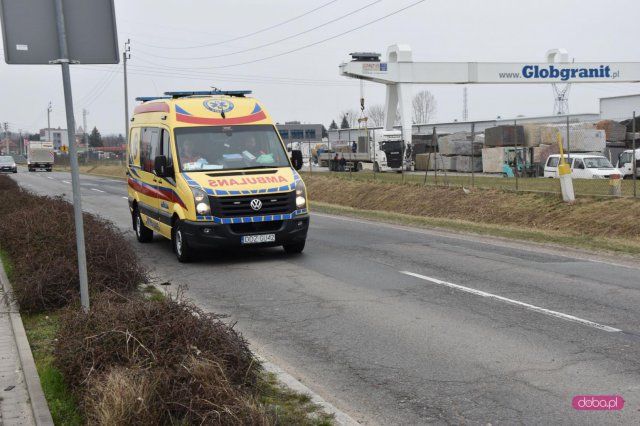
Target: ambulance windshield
(229, 148)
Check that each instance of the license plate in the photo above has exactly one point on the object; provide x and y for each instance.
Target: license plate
(257, 239)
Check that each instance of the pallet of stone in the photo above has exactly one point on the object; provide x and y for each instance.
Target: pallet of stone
(580, 140)
(585, 140)
(458, 144)
(448, 162)
(428, 161)
(468, 164)
(492, 159)
(614, 131)
(504, 136)
(532, 135)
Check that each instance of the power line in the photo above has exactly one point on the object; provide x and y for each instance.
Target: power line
(299, 48)
(98, 86)
(146, 71)
(243, 36)
(273, 42)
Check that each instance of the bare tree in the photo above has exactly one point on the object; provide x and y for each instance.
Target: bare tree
(351, 116)
(424, 107)
(376, 115)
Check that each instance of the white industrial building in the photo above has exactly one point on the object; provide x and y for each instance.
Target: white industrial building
(619, 108)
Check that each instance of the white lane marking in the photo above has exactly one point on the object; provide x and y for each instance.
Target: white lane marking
(126, 198)
(50, 178)
(515, 302)
(65, 181)
(97, 190)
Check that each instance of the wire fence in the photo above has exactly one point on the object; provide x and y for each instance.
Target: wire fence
(518, 155)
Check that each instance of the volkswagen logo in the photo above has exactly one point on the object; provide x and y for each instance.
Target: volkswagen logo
(256, 204)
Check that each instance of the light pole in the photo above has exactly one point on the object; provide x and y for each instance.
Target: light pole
(126, 55)
(49, 109)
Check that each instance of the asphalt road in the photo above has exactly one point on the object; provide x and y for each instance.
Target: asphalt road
(398, 326)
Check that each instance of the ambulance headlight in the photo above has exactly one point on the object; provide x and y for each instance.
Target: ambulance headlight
(201, 200)
(301, 196)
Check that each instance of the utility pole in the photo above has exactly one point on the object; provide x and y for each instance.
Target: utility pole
(6, 137)
(126, 55)
(84, 135)
(48, 133)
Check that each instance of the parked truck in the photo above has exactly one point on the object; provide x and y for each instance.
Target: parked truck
(40, 156)
(625, 163)
(383, 152)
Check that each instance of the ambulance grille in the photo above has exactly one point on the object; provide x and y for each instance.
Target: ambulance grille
(240, 206)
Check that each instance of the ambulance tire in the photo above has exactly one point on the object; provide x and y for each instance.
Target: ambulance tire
(143, 234)
(294, 248)
(181, 248)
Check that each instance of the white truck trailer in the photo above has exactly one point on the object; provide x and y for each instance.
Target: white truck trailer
(40, 156)
(383, 152)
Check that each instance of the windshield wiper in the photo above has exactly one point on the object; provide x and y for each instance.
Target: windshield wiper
(258, 167)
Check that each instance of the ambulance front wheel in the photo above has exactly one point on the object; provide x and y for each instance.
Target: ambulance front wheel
(143, 234)
(180, 246)
(294, 248)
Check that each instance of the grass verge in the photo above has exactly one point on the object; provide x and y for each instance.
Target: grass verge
(288, 407)
(8, 265)
(41, 331)
(583, 242)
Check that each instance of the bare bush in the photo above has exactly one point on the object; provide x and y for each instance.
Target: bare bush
(6, 183)
(199, 369)
(39, 234)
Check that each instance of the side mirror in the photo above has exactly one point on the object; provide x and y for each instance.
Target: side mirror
(296, 159)
(160, 166)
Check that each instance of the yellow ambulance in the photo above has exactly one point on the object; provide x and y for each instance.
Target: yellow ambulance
(209, 169)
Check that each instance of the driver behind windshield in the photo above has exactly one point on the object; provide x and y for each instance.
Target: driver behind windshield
(253, 151)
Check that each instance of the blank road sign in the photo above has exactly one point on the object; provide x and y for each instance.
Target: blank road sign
(30, 32)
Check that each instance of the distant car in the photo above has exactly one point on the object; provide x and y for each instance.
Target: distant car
(583, 166)
(7, 164)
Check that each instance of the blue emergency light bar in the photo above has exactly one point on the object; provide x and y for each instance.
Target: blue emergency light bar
(151, 98)
(239, 93)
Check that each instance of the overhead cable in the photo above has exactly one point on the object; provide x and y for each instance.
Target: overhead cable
(273, 42)
(297, 49)
(243, 36)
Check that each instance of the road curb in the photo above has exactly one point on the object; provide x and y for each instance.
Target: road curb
(340, 417)
(37, 401)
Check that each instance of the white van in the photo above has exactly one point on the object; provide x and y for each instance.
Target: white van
(583, 166)
(625, 163)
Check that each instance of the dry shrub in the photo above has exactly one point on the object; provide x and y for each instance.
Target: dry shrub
(187, 365)
(122, 397)
(39, 235)
(6, 183)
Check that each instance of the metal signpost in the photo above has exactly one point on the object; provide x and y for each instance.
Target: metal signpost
(69, 31)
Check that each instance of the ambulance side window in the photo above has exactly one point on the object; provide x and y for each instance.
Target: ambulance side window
(134, 147)
(149, 148)
(166, 149)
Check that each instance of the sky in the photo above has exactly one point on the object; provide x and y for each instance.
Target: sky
(288, 52)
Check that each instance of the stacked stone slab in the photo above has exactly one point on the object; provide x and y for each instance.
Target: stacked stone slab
(458, 150)
(429, 161)
(580, 139)
(614, 131)
(504, 136)
(468, 163)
